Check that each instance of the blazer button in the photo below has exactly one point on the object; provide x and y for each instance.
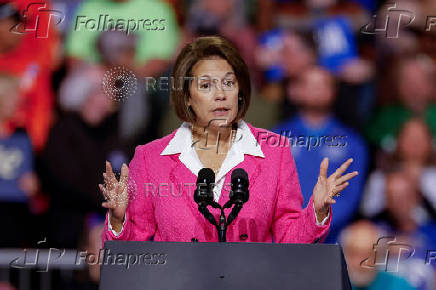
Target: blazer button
(195, 240)
(243, 237)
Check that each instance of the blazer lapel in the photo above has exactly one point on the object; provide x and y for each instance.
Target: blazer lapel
(180, 174)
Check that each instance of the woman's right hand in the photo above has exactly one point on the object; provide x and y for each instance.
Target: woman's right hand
(116, 195)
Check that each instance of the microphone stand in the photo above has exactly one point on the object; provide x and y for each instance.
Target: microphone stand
(224, 222)
(221, 227)
(238, 196)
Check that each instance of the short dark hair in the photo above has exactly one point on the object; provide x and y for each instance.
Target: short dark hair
(203, 48)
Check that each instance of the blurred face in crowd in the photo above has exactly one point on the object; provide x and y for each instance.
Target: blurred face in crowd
(358, 246)
(9, 95)
(124, 58)
(320, 4)
(415, 142)
(401, 197)
(214, 92)
(219, 8)
(297, 55)
(8, 40)
(315, 90)
(117, 49)
(415, 85)
(96, 107)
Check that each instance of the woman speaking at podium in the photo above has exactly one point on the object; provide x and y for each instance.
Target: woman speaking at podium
(154, 196)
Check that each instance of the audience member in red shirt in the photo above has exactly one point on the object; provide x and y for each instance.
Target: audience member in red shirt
(27, 54)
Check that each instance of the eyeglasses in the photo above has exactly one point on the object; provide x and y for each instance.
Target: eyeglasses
(205, 83)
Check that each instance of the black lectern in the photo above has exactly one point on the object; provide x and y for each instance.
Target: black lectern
(221, 266)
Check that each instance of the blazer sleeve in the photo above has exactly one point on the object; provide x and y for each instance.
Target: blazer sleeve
(139, 222)
(292, 223)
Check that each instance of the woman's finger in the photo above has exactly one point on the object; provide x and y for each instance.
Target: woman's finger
(323, 167)
(108, 205)
(124, 174)
(103, 191)
(330, 200)
(110, 173)
(346, 177)
(339, 188)
(342, 168)
(110, 195)
(109, 183)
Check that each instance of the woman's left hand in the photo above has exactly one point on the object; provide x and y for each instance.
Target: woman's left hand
(328, 187)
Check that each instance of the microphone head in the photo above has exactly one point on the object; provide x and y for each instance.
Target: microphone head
(206, 175)
(203, 195)
(240, 182)
(240, 173)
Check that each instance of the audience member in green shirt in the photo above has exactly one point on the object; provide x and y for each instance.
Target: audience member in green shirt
(415, 90)
(153, 21)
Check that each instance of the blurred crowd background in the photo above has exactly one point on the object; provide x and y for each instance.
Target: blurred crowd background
(319, 68)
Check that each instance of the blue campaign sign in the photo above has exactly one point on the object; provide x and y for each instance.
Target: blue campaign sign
(336, 43)
(16, 158)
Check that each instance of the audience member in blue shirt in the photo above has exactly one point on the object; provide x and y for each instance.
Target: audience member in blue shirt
(358, 242)
(18, 183)
(16, 161)
(314, 133)
(408, 224)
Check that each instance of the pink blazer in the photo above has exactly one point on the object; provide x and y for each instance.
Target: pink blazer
(273, 211)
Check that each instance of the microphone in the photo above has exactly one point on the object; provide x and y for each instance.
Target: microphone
(203, 194)
(239, 194)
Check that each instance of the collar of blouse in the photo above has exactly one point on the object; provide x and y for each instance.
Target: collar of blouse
(244, 143)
